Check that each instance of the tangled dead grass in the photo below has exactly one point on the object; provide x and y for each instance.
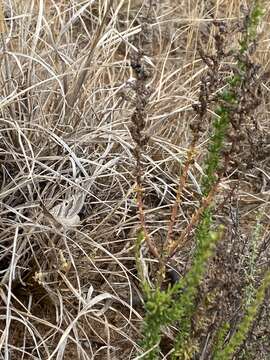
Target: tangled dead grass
(69, 287)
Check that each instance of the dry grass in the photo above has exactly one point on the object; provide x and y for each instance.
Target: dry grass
(68, 222)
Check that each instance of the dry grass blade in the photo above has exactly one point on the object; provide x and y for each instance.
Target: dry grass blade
(82, 78)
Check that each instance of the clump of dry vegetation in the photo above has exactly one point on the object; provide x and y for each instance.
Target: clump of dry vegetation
(107, 112)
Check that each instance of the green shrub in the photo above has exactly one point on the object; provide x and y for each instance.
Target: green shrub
(176, 304)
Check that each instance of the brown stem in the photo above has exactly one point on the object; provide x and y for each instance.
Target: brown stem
(150, 244)
(174, 246)
(181, 184)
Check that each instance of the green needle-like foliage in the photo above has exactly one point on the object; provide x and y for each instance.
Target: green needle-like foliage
(184, 308)
(245, 324)
(216, 143)
(253, 20)
(157, 314)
